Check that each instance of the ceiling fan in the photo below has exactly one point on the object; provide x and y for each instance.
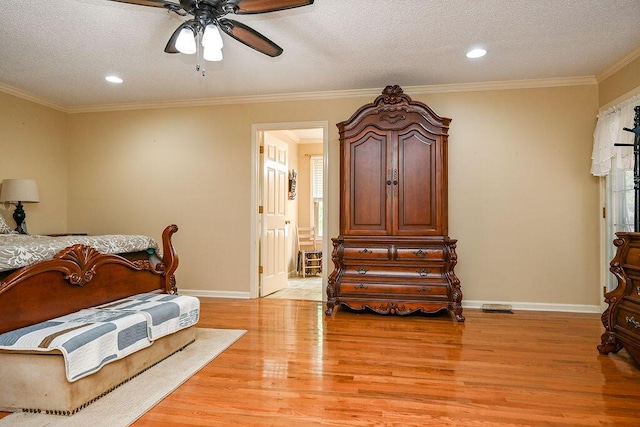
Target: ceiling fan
(200, 34)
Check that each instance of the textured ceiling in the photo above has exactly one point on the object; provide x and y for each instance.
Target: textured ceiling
(60, 51)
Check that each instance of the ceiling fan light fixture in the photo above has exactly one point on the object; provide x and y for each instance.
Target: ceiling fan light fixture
(212, 38)
(186, 42)
(201, 34)
(212, 54)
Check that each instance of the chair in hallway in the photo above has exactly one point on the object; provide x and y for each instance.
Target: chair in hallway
(309, 256)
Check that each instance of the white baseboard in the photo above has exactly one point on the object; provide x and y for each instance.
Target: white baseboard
(538, 306)
(524, 306)
(213, 294)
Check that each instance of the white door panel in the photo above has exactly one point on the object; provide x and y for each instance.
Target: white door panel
(274, 227)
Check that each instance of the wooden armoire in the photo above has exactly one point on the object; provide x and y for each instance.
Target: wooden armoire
(393, 254)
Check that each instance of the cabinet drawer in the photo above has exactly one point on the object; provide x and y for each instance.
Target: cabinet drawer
(374, 253)
(628, 317)
(357, 288)
(431, 254)
(413, 272)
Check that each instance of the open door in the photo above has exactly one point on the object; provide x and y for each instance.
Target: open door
(273, 245)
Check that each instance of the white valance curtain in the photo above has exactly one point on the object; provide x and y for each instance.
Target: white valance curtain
(609, 132)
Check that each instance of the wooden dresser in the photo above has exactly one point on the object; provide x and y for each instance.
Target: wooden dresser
(393, 254)
(621, 319)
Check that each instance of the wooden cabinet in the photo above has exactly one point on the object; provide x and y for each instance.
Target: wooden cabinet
(621, 319)
(393, 254)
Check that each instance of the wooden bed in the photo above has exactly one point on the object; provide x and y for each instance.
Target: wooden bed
(78, 277)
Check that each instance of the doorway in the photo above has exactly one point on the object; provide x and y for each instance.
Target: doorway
(306, 141)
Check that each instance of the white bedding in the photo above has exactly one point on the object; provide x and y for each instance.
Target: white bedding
(19, 250)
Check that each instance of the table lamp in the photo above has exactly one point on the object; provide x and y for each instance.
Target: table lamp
(18, 191)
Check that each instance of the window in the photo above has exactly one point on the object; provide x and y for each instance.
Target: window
(620, 195)
(316, 169)
(616, 163)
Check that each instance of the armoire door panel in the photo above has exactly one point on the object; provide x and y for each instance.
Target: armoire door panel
(417, 189)
(368, 188)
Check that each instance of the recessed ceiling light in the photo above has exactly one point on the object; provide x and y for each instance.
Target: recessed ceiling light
(476, 53)
(113, 79)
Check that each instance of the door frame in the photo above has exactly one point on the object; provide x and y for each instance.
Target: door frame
(605, 241)
(256, 231)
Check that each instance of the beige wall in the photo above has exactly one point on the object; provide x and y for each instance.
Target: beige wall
(305, 152)
(33, 144)
(623, 81)
(522, 202)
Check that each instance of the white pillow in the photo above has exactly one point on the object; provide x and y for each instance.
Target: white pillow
(4, 228)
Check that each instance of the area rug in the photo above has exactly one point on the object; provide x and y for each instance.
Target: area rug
(133, 399)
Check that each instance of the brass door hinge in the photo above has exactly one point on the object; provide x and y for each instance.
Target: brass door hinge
(604, 212)
(260, 270)
(262, 149)
(260, 209)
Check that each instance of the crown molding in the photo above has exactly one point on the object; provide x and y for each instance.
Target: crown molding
(309, 96)
(503, 85)
(626, 60)
(33, 98)
(341, 94)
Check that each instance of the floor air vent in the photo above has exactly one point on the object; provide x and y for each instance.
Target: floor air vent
(497, 308)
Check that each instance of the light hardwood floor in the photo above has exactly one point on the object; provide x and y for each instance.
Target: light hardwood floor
(296, 367)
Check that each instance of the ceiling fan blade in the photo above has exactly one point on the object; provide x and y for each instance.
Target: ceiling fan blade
(156, 3)
(246, 7)
(249, 37)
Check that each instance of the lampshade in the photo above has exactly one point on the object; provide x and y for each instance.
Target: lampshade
(212, 54)
(211, 38)
(186, 42)
(19, 190)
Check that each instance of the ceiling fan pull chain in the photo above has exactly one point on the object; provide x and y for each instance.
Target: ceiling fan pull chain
(199, 59)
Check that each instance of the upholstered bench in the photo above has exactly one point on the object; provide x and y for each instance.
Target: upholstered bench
(61, 365)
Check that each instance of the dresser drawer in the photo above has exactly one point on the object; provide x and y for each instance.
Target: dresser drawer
(398, 271)
(368, 253)
(417, 254)
(628, 317)
(435, 290)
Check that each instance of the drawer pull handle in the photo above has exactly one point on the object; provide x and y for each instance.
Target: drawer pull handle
(638, 289)
(424, 289)
(420, 253)
(633, 321)
(362, 270)
(361, 286)
(423, 272)
(365, 251)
